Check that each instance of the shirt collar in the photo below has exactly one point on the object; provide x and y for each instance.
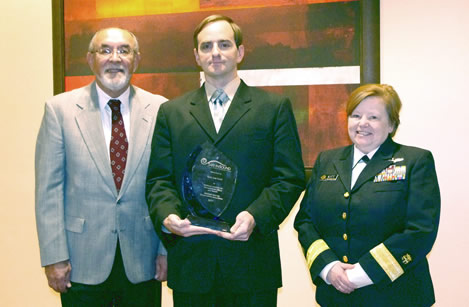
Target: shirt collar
(358, 154)
(230, 89)
(104, 98)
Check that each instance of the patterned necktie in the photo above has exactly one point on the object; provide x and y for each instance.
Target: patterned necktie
(218, 98)
(119, 144)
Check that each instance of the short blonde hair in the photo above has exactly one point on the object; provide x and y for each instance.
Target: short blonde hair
(386, 92)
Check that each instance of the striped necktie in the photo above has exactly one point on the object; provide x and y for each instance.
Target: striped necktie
(218, 99)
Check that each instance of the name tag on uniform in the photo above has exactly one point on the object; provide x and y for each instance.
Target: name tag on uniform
(391, 173)
(329, 177)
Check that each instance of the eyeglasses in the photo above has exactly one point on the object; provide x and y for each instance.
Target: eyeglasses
(122, 52)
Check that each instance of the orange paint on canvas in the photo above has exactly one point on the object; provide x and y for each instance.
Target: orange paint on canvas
(121, 8)
(236, 4)
(74, 82)
(96, 9)
(79, 10)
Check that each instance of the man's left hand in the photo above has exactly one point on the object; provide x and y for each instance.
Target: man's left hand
(161, 268)
(242, 229)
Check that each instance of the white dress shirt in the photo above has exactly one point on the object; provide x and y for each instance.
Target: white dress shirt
(218, 112)
(106, 113)
(356, 275)
(358, 164)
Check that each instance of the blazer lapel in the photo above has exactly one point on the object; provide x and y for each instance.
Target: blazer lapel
(344, 166)
(200, 110)
(89, 123)
(140, 126)
(380, 161)
(239, 106)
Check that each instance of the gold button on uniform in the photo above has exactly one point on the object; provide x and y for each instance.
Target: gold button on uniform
(345, 237)
(346, 194)
(344, 215)
(345, 259)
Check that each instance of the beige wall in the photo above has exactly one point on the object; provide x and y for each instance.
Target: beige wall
(425, 54)
(425, 49)
(26, 81)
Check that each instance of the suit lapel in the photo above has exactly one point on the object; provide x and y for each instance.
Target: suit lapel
(140, 126)
(89, 123)
(200, 110)
(239, 106)
(380, 161)
(343, 166)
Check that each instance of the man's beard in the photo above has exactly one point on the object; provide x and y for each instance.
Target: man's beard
(114, 84)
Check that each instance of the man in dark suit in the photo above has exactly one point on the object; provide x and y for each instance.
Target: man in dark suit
(256, 130)
(97, 242)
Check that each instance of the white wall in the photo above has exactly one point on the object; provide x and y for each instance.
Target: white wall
(26, 81)
(424, 55)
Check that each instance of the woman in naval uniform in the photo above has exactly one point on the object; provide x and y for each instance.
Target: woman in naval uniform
(371, 210)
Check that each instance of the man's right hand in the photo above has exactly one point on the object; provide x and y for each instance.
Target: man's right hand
(58, 275)
(184, 228)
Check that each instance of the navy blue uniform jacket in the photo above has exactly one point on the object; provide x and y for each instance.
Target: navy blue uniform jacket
(388, 223)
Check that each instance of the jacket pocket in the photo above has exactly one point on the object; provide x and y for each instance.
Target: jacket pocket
(74, 224)
(390, 186)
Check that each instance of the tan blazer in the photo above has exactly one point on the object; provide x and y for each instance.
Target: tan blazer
(80, 216)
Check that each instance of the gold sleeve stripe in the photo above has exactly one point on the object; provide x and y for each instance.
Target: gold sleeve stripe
(314, 250)
(387, 261)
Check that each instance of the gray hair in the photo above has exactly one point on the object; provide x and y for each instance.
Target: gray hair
(91, 46)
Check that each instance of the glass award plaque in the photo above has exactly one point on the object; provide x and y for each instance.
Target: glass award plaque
(208, 186)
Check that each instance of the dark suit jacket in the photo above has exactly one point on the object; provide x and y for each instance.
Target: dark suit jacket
(391, 224)
(259, 135)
